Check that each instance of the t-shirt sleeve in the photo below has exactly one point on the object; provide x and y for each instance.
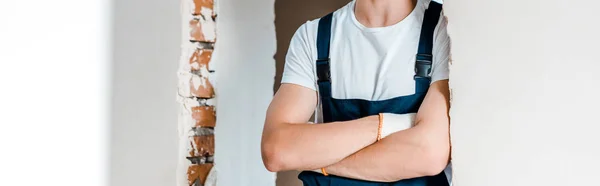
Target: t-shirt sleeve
(299, 66)
(441, 51)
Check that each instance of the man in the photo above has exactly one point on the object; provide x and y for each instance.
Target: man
(364, 71)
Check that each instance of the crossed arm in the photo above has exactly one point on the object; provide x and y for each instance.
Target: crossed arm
(348, 148)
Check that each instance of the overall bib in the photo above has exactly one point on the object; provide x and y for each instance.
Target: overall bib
(349, 109)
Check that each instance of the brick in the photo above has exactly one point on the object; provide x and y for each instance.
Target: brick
(205, 116)
(200, 59)
(200, 4)
(197, 32)
(197, 174)
(204, 145)
(201, 87)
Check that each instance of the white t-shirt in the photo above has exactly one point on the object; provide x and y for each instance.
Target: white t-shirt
(366, 63)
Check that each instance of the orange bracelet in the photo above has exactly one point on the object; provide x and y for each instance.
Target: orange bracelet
(380, 126)
(324, 172)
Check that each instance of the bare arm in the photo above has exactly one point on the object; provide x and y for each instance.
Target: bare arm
(290, 143)
(422, 150)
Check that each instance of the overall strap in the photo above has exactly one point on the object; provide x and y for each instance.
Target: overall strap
(425, 56)
(323, 68)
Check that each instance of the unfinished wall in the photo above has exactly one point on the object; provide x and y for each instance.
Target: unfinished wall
(233, 83)
(525, 86)
(196, 93)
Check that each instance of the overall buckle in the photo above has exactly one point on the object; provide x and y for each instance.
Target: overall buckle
(323, 73)
(423, 66)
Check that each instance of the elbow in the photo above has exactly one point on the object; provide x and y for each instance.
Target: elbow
(271, 159)
(272, 155)
(435, 160)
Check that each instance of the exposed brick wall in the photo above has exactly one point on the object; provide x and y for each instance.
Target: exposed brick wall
(197, 119)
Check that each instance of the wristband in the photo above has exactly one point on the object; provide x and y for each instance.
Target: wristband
(380, 126)
(324, 172)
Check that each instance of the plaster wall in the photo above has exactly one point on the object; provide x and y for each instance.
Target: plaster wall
(525, 92)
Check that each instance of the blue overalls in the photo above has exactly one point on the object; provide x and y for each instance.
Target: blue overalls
(348, 109)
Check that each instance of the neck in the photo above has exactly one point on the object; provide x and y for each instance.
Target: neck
(381, 13)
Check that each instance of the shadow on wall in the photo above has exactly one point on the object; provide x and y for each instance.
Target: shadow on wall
(289, 15)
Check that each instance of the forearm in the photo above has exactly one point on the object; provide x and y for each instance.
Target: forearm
(402, 155)
(312, 146)
(422, 150)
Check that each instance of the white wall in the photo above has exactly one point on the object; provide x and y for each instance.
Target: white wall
(144, 112)
(525, 88)
(245, 72)
(54, 79)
